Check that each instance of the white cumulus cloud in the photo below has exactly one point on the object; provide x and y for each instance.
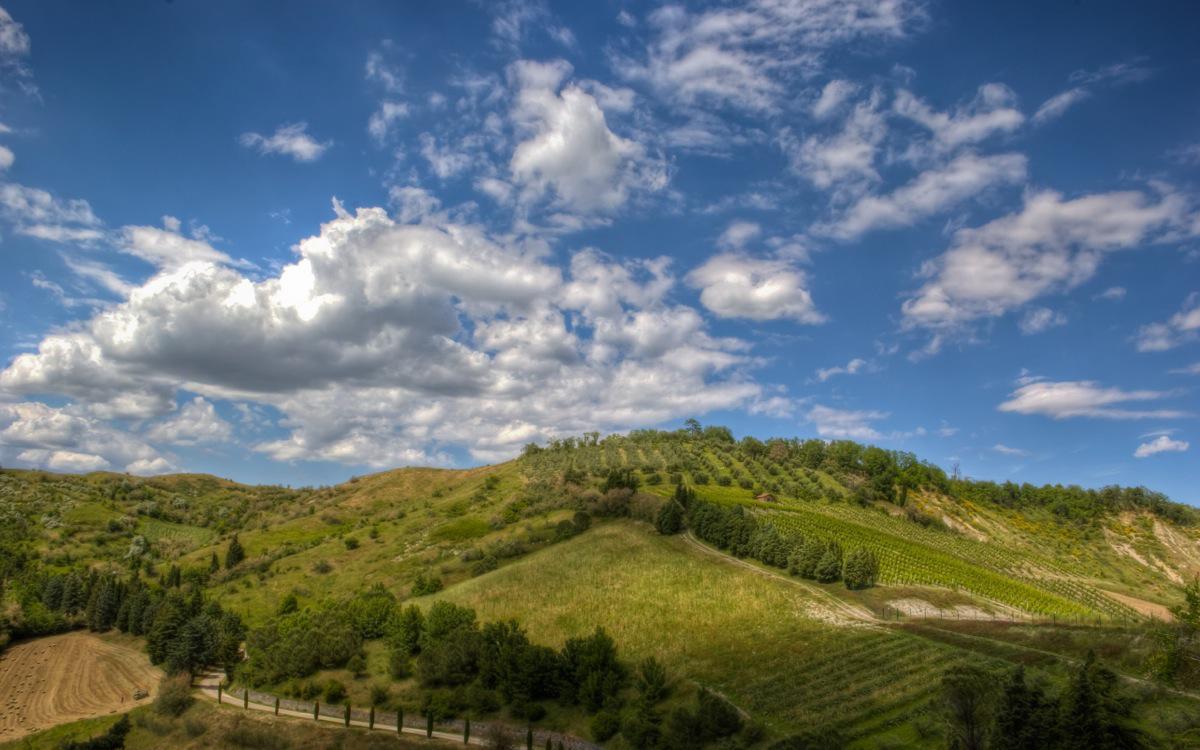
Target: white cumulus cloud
(1161, 444)
(1084, 398)
(738, 286)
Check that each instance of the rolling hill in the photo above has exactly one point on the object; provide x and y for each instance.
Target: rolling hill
(563, 540)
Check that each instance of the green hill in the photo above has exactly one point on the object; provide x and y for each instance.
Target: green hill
(563, 540)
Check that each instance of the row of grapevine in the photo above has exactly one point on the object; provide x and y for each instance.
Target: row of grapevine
(907, 563)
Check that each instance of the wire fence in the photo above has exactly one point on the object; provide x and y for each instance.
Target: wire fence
(380, 719)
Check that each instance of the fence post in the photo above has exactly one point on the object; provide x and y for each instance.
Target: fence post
(467, 731)
(371, 719)
(529, 738)
(347, 713)
(429, 725)
(399, 719)
(277, 705)
(316, 710)
(246, 698)
(219, 691)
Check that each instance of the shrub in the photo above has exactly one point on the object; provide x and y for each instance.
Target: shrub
(113, 739)
(357, 665)
(250, 734)
(498, 738)
(605, 725)
(486, 565)
(335, 692)
(379, 695)
(174, 695)
(399, 666)
(717, 716)
(424, 585)
(322, 567)
(194, 727)
(350, 542)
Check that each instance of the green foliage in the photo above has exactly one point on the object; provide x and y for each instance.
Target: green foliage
(605, 725)
(670, 518)
(652, 681)
(967, 699)
(713, 719)
(829, 567)
(174, 695)
(234, 553)
(288, 605)
(404, 630)
(296, 645)
(622, 478)
(334, 693)
(1095, 714)
(1025, 719)
(1176, 660)
(592, 676)
(113, 739)
(371, 611)
(860, 569)
(424, 585)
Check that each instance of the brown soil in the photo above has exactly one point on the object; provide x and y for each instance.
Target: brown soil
(1151, 609)
(64, 678)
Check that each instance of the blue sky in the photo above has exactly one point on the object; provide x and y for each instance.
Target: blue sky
(296, 246)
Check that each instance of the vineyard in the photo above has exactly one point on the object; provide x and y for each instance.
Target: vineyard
(806, 497)
(156, 530)
(761, 641)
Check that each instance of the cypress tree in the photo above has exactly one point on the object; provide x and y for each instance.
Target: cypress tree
(429, 725)
(829, 568)
(807, 558)
(467, 731)
(670, 519)
(529, 738)
(234, 554)
(347, 713)
(860, 569)
(1024, 718)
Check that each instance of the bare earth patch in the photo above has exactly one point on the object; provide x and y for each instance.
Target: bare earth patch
(64, 678)
(1151, 609)
(914, 607)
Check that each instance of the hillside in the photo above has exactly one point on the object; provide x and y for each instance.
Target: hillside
(562, 539)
